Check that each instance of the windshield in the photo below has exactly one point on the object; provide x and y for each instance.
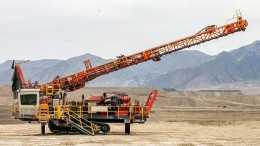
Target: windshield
(28, 99)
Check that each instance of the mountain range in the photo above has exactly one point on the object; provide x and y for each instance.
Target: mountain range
(181, 70)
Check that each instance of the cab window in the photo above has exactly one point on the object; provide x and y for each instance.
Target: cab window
(28, 99)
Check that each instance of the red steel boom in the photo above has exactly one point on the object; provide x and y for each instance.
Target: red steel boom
(77, 80)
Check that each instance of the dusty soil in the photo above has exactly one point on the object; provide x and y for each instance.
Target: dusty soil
(151, 133)
(183, 118)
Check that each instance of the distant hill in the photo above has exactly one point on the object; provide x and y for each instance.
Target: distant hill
(29, 69)
(43, 71)
(240, 65)
(180, 70)
(137, 75)
(66, 67)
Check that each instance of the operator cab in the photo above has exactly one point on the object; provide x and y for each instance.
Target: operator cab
(26, 105)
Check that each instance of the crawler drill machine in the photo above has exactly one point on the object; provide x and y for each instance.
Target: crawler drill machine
(48, 104)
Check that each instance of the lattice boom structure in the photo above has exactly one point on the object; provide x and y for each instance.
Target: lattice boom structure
(77, 80)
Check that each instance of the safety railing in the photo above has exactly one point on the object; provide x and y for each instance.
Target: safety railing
(43, 114)
(105, 111)
(24, 110)
(82, 122)
(118, 110)
(49, 89)
(15, 109)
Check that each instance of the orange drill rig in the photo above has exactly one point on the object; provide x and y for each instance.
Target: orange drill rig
(47, 102)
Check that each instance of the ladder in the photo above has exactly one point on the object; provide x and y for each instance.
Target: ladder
(43, 113)
(80, 123)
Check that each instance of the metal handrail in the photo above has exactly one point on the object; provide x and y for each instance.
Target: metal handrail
(133, 110)
(142, 110)
(92, 126)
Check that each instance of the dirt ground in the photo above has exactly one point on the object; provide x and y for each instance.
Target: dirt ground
(151, 133)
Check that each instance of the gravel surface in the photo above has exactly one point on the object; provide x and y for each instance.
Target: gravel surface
(151, 133)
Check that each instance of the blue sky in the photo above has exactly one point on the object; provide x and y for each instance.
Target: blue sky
(60, 29)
